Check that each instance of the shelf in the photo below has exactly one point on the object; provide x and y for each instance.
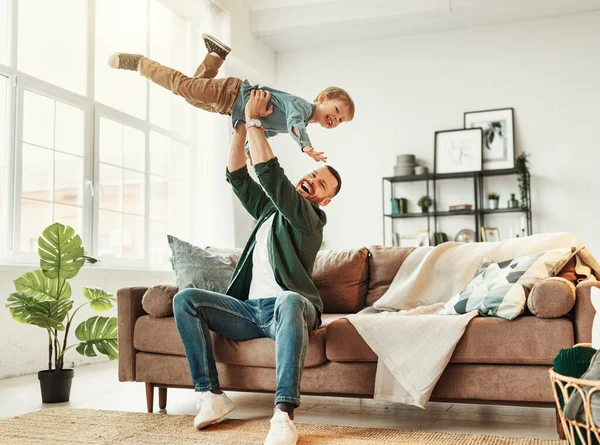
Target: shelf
(432, 176)
(455, 213)
(408, 215)
(517, 210)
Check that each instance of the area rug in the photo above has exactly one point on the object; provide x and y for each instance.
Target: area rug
(80, 426)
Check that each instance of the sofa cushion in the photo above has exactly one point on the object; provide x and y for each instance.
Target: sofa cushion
(526, 340)
(552, 298)
(160, 336)
(158, 300)
(384, 263)
(341, 276)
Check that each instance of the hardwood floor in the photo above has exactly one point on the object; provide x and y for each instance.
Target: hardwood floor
(97, 387)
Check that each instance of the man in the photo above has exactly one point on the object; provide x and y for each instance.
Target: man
(271, 293)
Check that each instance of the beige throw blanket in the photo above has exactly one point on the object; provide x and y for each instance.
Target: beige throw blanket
(414, 345)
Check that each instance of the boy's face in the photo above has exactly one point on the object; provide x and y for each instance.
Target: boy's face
(332, 112)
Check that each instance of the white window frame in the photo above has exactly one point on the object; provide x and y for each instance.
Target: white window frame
(92, 112)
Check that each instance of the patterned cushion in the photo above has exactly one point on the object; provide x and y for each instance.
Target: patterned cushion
(501, 289)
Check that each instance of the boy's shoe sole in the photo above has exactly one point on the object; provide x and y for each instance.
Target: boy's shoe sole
(216, 46)
(207, 422)
(125, 61)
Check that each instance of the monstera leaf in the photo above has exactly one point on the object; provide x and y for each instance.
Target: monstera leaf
(101, 301)
(37, 285)
(60, 250)
(98, 333)
(45, 314)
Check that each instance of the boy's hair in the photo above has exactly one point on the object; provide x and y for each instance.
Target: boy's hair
(340, 94)
(336, 175)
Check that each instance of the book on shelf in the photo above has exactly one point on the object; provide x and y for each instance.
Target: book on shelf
(459, 207)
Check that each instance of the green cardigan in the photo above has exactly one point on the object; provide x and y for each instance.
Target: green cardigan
(296, 234)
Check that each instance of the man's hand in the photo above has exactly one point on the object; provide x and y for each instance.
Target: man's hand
(257, 105)
(316, 155)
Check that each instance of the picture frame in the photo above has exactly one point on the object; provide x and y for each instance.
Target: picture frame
(490, 234)
(458, 151)
(409, 242)
(424, 238)
(498, 128)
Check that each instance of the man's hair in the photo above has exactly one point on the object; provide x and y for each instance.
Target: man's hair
(336, 175)
(340, 94)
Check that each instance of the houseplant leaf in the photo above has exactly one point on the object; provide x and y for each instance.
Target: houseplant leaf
(101, 300)
(60, 250)
(45, 314)
(98, 334)
(37, 285)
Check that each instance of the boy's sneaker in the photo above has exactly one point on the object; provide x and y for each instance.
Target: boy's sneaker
(213, 407)
(216, 46)
(283, 431)
(125, 61)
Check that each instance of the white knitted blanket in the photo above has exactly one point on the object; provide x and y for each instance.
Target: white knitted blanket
(414, 345)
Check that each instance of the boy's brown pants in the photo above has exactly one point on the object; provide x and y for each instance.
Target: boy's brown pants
(202, 90)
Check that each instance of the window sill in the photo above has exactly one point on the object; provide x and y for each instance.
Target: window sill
(5, 265)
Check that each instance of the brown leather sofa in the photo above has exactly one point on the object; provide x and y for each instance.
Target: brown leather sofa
(497, 361)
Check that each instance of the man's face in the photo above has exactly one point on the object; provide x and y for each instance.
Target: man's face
(318, 186)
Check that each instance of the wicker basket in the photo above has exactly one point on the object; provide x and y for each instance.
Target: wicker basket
(572, 429)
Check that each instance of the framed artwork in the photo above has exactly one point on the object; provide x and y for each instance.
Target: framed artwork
(490, 234)
(498, 136)
(424, 238)
(458, 151)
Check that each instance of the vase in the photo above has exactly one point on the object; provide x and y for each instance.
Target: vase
(493, 203)
(56, 385)
(513, 203)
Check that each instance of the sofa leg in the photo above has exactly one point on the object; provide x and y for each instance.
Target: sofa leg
(150, 396)
(162, 398)
(559, 427)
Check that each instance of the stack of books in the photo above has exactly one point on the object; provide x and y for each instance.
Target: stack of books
(460, 207)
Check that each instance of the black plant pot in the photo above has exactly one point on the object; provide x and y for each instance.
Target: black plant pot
(56, 385)
(425, 209)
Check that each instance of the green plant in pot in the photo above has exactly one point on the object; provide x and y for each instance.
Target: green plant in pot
(522, 167)
(44, 298)
(425, 202)
(493, 200)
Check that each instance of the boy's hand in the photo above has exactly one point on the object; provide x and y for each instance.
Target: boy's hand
(316, 155)
(257, 105)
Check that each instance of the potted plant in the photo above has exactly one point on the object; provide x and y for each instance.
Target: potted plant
(425, 202)
(493, 199)
(44, 298)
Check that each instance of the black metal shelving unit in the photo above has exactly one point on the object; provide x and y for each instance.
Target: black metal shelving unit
(478, 212)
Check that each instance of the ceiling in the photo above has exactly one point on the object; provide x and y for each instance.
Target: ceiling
(293, 24)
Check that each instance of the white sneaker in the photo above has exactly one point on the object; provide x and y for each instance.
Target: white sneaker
(213, 407)
(283, 431)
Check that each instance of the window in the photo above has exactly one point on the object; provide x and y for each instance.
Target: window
(3, 159)
(52, 154)
(52, 43)
(4, 11)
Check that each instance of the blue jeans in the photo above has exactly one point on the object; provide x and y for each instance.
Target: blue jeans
(287, 319)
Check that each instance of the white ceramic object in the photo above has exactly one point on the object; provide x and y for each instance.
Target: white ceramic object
(595, 297)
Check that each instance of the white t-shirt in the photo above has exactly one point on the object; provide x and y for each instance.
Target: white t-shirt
(263, 284)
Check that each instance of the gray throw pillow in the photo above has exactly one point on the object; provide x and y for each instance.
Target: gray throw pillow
(195, 267)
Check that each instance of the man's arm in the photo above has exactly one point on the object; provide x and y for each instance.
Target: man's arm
(293, 206)
(250, 194)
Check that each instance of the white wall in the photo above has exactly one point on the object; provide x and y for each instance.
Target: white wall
(408, 87)
(24, 348)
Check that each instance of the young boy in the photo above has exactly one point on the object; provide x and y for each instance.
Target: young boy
(229, 96)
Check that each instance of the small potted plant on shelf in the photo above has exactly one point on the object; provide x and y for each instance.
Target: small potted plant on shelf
(493, 200)
(44, 298)
(425, 202)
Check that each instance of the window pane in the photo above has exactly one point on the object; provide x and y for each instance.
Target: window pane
(134, 149)
(109, 233)
(120, 27)
(3, 157)
(35, 217)
(69, 216)
(53, 41)
(68, 181)
(38, 119)
(4, 32)
(159, 196)
(111, 181)
(133, 192)
(159, 154)
(180, 167)
(69, 129)
(111, 142)
(37, 176)
(133, 236)
(160, 253)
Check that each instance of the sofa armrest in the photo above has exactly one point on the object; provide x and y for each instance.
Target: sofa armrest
(129, 309)
(584, 311)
